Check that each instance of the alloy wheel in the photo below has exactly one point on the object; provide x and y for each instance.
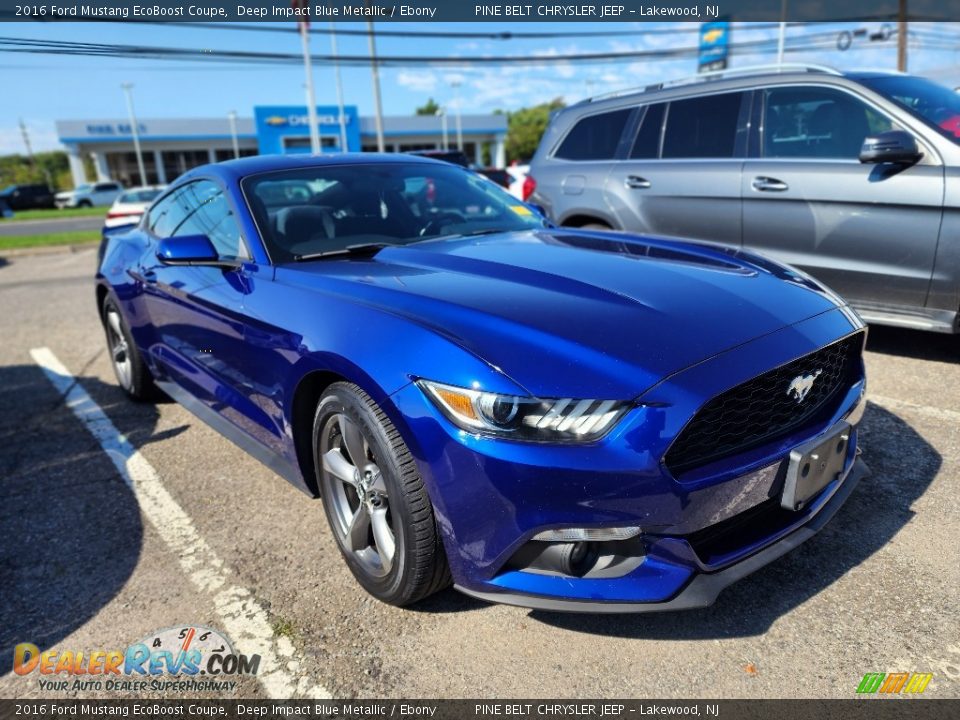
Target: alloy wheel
(360, 502)
(119, 350)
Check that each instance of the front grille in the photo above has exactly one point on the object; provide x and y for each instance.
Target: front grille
(760, 410)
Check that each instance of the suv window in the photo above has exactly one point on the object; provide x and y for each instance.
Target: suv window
(209, 213)
(103, 187)
(812, 122)
(647, 143)
(702, 127)
(595, 137)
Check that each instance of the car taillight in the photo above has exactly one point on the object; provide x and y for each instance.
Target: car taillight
(529, 185)
(111, 215)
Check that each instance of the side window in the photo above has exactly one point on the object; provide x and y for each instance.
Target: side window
(809, 122)
(166, 215)
(702, 127)
(209, 214)
(595, 137)
(647, 143)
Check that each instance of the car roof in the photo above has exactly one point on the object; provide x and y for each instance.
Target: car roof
(709, 83)
(243, 167)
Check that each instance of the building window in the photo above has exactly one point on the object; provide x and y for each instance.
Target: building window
(300, 143)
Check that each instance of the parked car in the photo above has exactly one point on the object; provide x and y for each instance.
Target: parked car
(852, 177)
(130, 205)
(90, 195)
(497, 175)
(27, 197)
(5, 211)
(521, 187)
(456, 157)
(548, 417)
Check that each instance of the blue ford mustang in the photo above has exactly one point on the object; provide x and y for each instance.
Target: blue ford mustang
(543, 416)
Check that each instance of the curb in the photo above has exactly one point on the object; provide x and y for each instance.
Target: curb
(47, 249)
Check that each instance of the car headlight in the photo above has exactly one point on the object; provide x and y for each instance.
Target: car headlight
(525, 418)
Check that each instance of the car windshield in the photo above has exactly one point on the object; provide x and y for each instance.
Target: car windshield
(328, 208)
(935, 104)
(139, 196)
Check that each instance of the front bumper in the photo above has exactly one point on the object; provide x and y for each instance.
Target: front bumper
(702, 590)
(700, 531)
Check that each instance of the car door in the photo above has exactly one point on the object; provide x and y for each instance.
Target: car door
(197, 311)
(681, 175)
(867, 231)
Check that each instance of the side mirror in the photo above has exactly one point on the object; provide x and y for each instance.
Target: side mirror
(190, 250)
(895, 146)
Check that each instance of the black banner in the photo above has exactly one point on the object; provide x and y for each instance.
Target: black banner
(875, 708)
(472, 10)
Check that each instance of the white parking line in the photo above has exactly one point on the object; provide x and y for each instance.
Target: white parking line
(244, 620)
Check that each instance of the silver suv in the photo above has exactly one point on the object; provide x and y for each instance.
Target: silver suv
(852, 177)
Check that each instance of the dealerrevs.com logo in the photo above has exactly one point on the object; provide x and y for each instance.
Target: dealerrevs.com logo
(894, 683)
(182, 653)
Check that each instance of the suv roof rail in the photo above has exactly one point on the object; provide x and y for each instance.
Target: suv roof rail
(719, 74)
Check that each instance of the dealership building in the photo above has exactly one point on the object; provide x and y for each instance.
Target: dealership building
(170, 147)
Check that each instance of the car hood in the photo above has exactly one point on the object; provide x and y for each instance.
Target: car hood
(566, 313)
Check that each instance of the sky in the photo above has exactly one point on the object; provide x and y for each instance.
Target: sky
(41, 89)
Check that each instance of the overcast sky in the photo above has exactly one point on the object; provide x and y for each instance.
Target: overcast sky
(45, 88)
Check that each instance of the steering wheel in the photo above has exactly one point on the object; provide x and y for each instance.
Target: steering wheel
(439, 221)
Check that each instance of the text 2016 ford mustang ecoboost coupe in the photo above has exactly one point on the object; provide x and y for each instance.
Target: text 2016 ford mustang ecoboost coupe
(548, 417)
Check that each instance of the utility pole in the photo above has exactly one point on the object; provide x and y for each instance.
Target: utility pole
(339, 83)
(782, 39)
(26, 141)
(135, 131)
(381, 147)
(902, 37)
(232, 116)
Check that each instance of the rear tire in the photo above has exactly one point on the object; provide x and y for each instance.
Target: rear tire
(132, 373)
(375, 500)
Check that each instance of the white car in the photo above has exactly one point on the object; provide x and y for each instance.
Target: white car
(518, 175)
(89, 195)
(130, 206)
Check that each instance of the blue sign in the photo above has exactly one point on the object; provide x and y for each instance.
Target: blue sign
(285, 129)
(714, 45)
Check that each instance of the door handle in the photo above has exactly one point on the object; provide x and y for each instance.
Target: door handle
(769, 184)
(636, 182)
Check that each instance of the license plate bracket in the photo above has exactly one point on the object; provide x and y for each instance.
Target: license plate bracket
(813, 466)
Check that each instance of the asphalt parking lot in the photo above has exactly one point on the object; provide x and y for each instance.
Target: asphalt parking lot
(89, 561)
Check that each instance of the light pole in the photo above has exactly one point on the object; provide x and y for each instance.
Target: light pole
(127, 89)
(456, 99)
(443, 125)
(381, 147)
(311, 98)
(232, 117)
(339, 82)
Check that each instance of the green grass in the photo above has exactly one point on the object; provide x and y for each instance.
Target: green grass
(65, 238)
(54, 214)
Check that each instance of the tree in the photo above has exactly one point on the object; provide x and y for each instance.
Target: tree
(526, 126)
(430, 108)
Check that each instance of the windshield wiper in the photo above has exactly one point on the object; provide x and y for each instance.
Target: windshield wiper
(359, 249)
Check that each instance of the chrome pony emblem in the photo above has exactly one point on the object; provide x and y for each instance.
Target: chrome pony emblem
(801, 386)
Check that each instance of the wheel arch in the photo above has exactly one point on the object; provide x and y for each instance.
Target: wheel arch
(579, 219)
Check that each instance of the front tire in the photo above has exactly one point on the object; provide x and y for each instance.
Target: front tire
(374, 498)
(132, 373)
